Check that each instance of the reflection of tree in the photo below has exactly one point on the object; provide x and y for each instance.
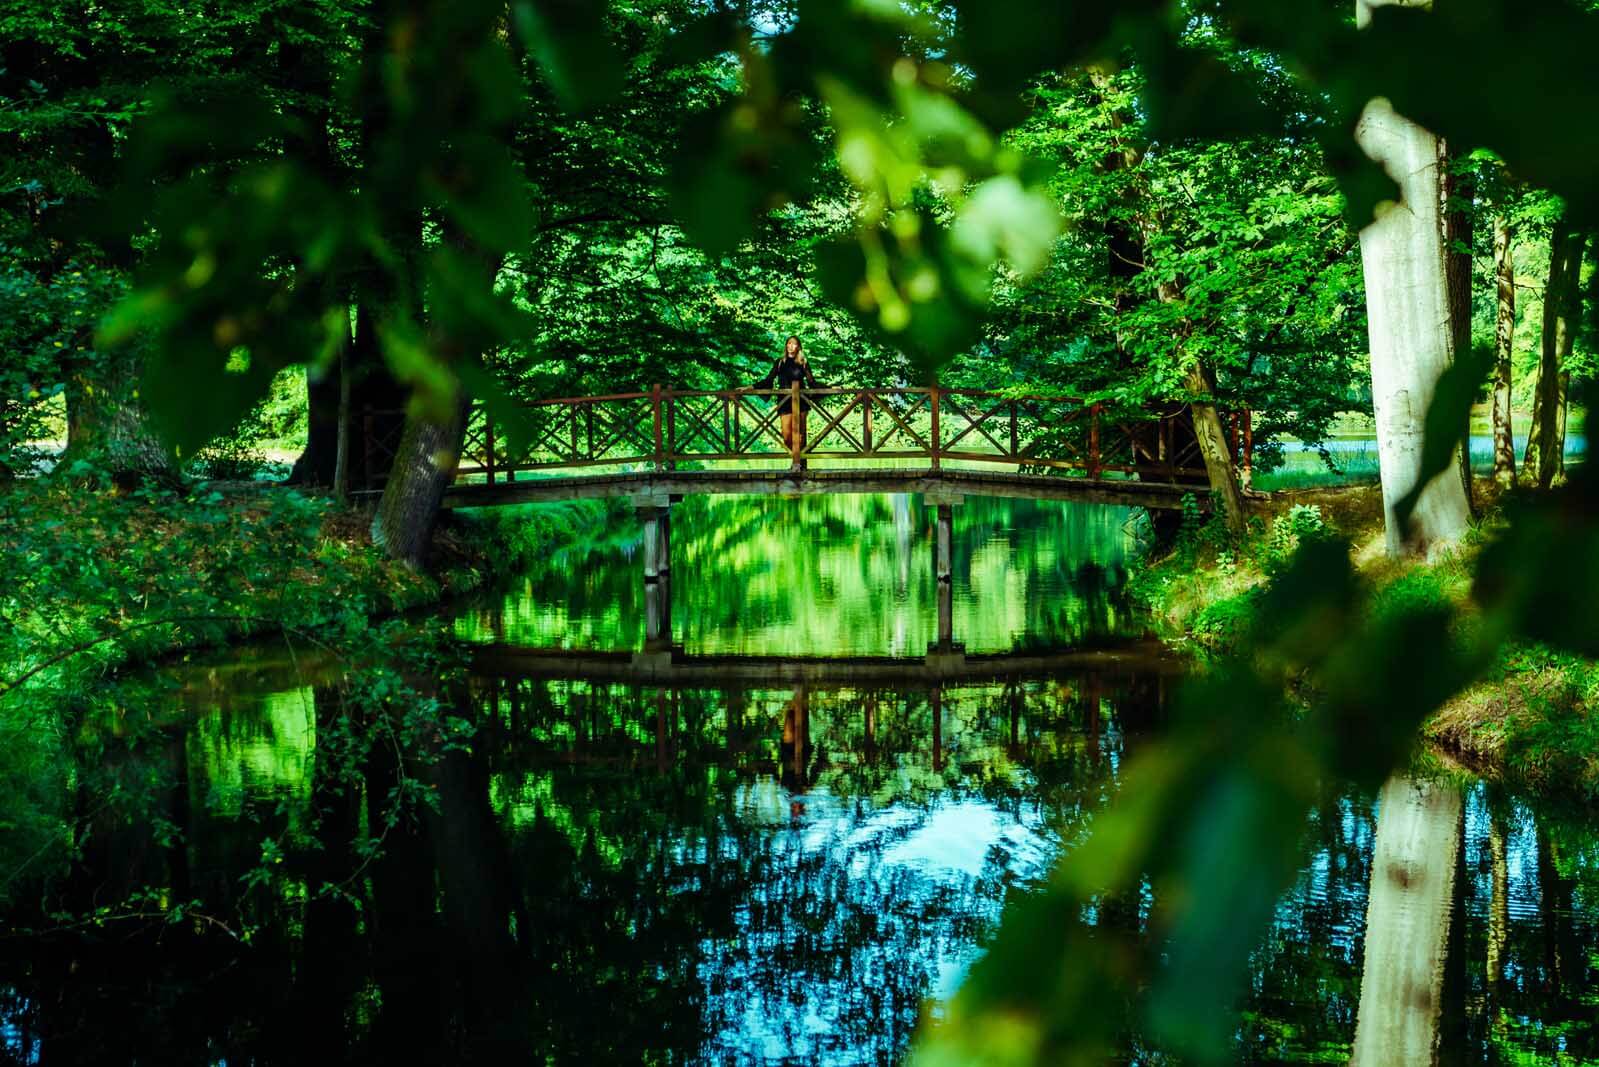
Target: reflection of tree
(1407, 923)
(812, 934)
(617, 875)
(1305, 993)
(839, 574)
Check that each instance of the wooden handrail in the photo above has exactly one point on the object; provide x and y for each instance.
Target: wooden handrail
(933, 423)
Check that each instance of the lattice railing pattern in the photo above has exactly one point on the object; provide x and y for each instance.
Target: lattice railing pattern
(666, 428)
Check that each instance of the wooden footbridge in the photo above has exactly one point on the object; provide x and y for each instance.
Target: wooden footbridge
(946, 444)
(667, 443)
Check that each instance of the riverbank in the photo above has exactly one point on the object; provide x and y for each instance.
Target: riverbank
(99, 579)
(1529, 720)
(101, 583)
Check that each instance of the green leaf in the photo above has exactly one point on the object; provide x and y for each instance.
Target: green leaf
(1447, 423)
(568, 38)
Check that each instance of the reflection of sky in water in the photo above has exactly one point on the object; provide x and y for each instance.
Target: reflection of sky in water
(928, 879)
(18, 1046)
(811, 921)
(856, 891)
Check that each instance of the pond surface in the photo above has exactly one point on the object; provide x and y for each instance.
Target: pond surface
(756, 871)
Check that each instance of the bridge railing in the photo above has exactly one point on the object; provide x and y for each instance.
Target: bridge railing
(664, 428)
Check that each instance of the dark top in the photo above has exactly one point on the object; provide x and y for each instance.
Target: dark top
(784, 373)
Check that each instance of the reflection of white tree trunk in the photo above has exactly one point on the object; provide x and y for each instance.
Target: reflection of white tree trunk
(1407, 923)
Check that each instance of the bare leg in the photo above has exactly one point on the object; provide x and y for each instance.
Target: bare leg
(787, 422)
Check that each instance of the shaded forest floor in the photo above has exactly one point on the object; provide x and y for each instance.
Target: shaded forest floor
(1530, 718)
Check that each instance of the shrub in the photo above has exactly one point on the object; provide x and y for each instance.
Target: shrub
(1303, 523)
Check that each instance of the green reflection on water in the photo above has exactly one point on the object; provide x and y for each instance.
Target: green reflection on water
(261, 753)
(838, 575)
(710, 875)
(725, 874)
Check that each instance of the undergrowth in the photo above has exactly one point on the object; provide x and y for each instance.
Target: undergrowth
(1530, 716)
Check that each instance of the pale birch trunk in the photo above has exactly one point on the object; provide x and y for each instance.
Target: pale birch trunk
(1407, 307)
(1407, 923)
(1504, 348)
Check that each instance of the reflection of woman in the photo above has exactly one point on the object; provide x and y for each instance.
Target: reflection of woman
(791, 367)
(794, 752)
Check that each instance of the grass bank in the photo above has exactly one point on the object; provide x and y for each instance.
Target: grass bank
(1530, 719)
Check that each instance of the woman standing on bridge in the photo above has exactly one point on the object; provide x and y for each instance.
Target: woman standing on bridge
(791, 367)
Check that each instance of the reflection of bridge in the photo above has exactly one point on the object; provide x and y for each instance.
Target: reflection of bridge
(674, 670)
(669, 442)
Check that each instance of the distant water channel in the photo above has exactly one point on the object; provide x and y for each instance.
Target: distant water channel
(755, 870)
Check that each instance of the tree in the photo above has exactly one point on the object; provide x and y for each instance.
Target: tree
(1457, 213)
(1543, 462)
(1407, 305)
(1245, 238)
(1198, 377)
(1504, 441)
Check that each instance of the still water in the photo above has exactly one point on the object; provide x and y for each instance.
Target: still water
(840, 576)
(750, 872)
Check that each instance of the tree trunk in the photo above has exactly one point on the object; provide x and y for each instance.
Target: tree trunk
(361, 380)
(1457, 215)
(1557, 454)
(1542, 462)
(341, 444)
(303, 79)
(315, 465)
(1498, 925)
(1214, 448)
(1407, 305)
(424, 465)
(1574, 313)
(107, 425)
(1504, 348)
(1407, 923)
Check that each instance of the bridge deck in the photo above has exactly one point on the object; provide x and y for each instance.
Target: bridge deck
(943, 482)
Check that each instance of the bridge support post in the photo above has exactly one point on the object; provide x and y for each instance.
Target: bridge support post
(946, 651)
(658, 615)
(656, 515)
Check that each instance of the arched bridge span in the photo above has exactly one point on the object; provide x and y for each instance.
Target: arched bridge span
(672, 442)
